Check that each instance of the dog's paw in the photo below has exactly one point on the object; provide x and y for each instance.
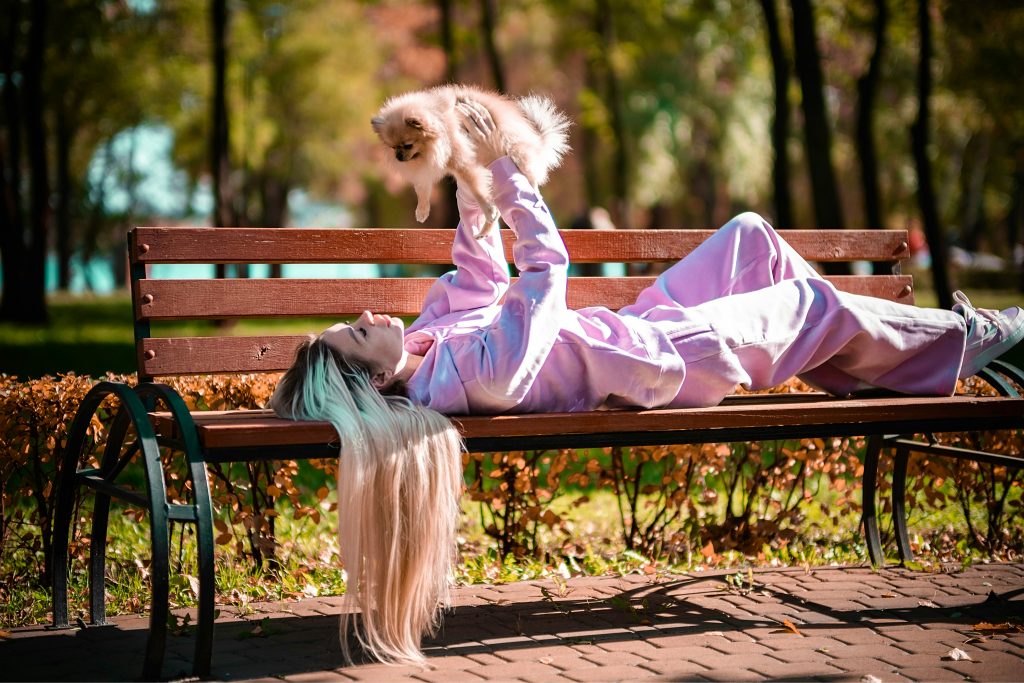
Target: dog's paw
(422, 212)
(489, 225)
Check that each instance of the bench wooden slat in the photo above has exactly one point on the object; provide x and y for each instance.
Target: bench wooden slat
(312, 245)
(265, 298)
(246, 429)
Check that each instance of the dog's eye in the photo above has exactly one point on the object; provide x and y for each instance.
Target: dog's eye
(407, 145)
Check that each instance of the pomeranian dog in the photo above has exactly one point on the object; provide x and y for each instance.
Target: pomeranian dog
(427, 132)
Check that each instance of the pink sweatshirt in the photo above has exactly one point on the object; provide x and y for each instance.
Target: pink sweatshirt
(493, 348)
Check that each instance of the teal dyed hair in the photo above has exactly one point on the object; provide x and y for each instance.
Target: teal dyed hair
(399, 483)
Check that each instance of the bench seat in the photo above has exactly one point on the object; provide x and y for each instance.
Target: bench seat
(228, 434)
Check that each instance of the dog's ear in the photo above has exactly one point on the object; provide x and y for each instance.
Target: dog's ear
(377, 122)
(414, 122)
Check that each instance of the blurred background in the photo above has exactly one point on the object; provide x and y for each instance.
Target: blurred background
(815, 113)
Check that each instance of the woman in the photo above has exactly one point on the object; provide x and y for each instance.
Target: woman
(742, 308)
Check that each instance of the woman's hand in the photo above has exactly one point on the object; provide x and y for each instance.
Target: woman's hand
(479, 125)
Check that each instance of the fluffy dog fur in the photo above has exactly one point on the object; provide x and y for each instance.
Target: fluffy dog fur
(427, 134)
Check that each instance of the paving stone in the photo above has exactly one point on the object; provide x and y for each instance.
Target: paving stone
(931, 674)
(674, 668)
(607, 673)
(697, 632)
(616, 659)
(445, 675)
(795, 670)
(733, 674)
(314, 676)
(865, 665)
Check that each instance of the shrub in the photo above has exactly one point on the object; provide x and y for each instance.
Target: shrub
(673, 502)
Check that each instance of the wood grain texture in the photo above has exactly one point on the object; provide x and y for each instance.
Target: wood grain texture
(165, 356)
(312, 245)
(237, 429)
(268, 298)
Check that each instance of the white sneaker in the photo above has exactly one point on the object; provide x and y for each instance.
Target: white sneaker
(990, 333)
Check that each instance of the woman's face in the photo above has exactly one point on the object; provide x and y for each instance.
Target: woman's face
(374, 340)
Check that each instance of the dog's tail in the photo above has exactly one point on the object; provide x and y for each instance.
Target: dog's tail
(552, 125)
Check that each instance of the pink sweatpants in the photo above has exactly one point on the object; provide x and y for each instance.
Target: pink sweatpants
(745, 308)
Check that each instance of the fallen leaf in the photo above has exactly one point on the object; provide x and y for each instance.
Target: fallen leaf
(1005, 627)
(889, 595)
(868, 678)
(5, 634)
(926, 603)
(956, 655)
(546, 660)
(708, 550)
(975, 639)
(790, 628)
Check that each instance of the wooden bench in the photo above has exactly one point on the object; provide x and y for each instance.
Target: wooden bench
(160, 419)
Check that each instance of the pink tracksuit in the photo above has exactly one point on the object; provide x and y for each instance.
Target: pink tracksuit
(742, 308)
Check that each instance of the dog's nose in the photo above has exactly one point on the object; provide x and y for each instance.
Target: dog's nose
(399, 155)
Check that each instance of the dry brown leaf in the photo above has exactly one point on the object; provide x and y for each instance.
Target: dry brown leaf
(956, 655)
(5, 634)
(790, 628)
(1005, 627)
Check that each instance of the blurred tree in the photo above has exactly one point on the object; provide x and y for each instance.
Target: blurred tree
(488, 23)
(986, 43)
(220, 127)
(867, 91)
(780, 119)
(605, 28)
(919, 143)
(25, 230)
(817, 131)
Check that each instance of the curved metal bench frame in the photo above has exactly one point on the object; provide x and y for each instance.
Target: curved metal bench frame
(996, 375)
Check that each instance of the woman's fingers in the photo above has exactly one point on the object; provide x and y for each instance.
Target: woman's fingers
(478, 114)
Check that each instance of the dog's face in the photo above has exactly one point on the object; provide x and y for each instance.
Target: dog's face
(404, 132)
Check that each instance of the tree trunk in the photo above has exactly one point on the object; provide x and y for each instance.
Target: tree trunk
(828, 212)
(919, 143)
(488, 20)
(1015, 216)
(867, 91)
(588, 146)
(972, 179)
(13, 253)
(621, 185)
(449, 209)
(65, 136)
(275, 210)
(780, 120)
(220, 162)
(33, 307)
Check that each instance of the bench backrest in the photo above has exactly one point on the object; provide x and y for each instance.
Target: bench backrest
(212, 299)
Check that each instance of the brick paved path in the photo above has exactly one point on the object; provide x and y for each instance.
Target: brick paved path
(854, 624)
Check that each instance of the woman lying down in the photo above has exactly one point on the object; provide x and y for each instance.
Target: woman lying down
(742, 308)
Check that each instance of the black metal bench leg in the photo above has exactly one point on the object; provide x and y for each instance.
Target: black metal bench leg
(899, 500)
(66, 487)
(870, 511)
(204, 532)
(203, 519)
(109, 468)
(159, 529)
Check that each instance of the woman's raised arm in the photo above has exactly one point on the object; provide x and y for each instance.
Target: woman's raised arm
(481, 275)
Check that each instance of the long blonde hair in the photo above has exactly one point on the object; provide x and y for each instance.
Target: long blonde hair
(399, 483)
